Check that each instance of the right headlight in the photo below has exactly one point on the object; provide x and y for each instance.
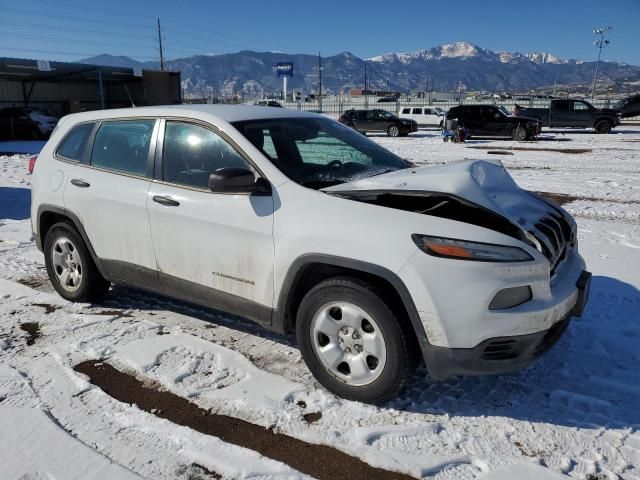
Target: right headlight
(467, 250)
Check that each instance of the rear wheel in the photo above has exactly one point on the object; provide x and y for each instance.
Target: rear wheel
(393, 131)
(519, 133)
(603, 126)
(351, 340)
(71, 269)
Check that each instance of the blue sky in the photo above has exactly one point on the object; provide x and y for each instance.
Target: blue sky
(71, 29)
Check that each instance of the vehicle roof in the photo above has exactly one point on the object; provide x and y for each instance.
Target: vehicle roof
(228, 113)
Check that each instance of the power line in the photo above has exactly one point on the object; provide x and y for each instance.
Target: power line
(85, 31)
(58, 40)
(58, 52)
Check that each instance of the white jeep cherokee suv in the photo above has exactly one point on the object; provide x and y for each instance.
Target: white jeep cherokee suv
(303, 225)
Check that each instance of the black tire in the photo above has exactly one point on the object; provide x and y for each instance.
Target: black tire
(519, 133)
(393, 131)
(603, 126)
(92, 286)
(398, 364)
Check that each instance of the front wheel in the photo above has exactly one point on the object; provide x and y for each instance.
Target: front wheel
(603, 126)
(351, 340)
(393, 131)
(519, 133)
(71, 269)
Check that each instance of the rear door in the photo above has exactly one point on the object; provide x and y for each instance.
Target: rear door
(561, 113)
(361, 121)
(108, 191)
(211, 247)
(472, 120)
(416, 114)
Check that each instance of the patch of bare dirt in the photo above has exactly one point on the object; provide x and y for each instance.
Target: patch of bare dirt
(499, 152)
(530, 149)
(319, 461)
(33, 331)
(48, 308)
(312, 417)
(563, 198)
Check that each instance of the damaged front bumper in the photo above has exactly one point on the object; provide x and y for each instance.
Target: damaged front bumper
(504, 354)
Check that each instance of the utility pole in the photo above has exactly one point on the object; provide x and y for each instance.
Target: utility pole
(160, 46)
(366, 98)
(600, 43)
(320, 77)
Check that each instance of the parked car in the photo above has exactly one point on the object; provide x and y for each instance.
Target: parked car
(377, 120)
(628, 107)
(18, 123)
(425, 116)
(303, 225)
(269, 103)
(492, 121)
(575, 114)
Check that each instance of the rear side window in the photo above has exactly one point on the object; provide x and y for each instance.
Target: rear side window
(123, 146)
(417, 111)
(73, 145)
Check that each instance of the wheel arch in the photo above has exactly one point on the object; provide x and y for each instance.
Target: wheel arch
(310, 269)
(607, 119)
(49, 215)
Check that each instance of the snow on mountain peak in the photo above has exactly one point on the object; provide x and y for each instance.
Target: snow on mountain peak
(543, 57)
(459, 49)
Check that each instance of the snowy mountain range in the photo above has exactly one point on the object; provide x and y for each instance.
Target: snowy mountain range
(445, 68)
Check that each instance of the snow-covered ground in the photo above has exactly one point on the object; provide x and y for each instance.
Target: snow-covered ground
(575, 412)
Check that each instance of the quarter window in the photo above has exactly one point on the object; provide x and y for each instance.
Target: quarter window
(73, 145)
(123, 146)
(192, 153)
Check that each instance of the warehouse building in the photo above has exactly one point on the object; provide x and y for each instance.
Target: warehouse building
(62, 87)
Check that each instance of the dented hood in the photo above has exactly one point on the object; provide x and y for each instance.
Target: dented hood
(480, 182)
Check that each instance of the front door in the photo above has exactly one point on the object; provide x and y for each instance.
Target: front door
(211, 247)
(108, 193)
(581, 114)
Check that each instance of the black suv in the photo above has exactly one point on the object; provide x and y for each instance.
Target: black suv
(492, 121)
(628, 107)
(378, 121)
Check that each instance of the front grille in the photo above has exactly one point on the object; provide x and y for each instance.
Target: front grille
(555, 236)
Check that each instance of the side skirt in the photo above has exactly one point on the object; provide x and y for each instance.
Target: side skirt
(157, 282)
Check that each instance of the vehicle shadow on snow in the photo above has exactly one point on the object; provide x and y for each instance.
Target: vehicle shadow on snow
(589, 379)
(15, 203)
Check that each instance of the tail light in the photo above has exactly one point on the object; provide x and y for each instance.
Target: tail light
(32, 163)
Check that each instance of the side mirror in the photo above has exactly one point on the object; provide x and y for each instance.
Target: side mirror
(238, 180)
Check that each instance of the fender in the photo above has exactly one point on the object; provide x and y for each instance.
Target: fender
(279, 319)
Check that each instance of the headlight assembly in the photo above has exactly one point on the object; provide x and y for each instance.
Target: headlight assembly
(466, 250)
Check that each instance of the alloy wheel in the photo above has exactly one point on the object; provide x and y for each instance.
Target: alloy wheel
(67, 264)
(349, 343)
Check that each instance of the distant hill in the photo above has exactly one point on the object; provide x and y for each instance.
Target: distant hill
(445, 67)
(118, 61)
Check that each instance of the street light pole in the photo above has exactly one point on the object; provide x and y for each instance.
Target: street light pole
(600, 43)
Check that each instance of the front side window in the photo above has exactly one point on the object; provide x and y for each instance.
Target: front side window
(406, 111)
(579, 106)
(73, 145)
(123, 146)
(192, 153)
(319, 152)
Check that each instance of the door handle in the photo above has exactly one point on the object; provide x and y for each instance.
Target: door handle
(166, 201)
(80, 183)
